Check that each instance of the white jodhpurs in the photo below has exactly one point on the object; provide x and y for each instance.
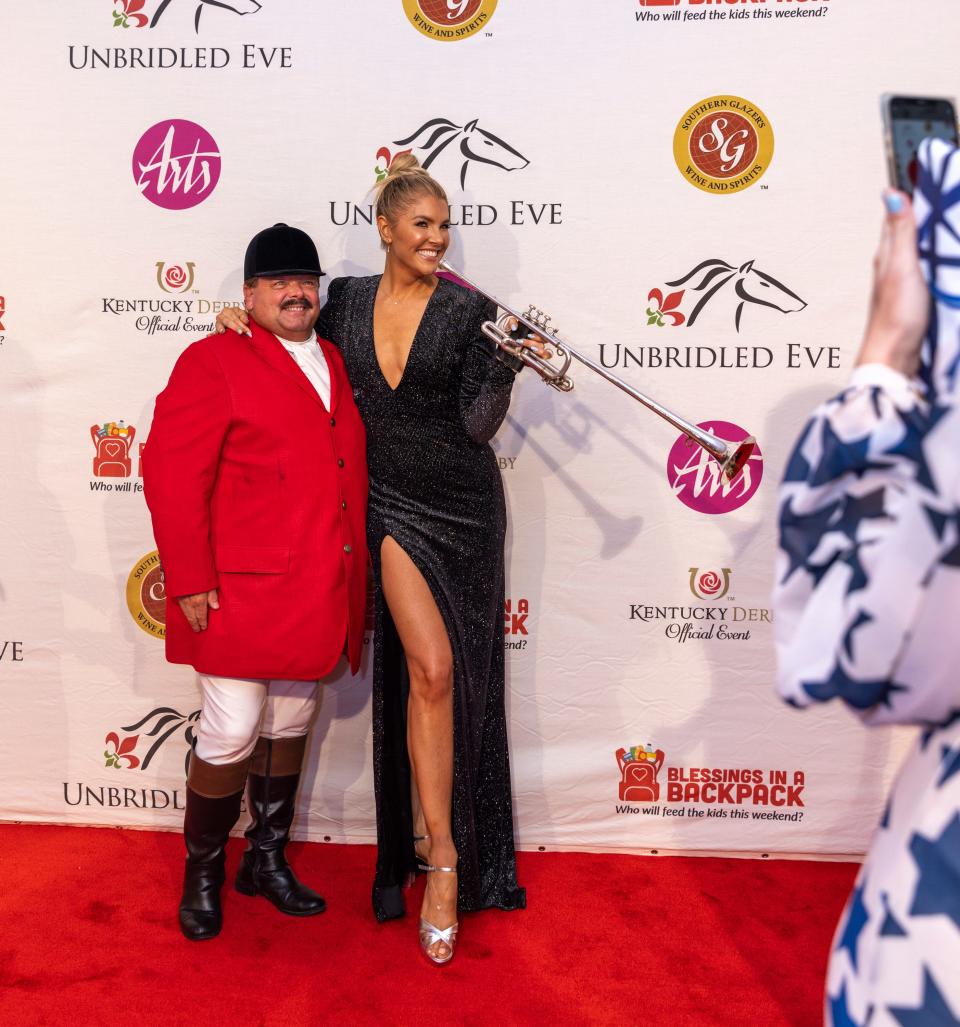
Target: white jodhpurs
(234, 712)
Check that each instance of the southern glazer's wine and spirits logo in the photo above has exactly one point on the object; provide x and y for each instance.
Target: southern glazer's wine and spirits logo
(449, 20)
(175, 21)
(176, 164)
(175, 277)
(709, 584)
(708, 621)
(147, 596)
(723, 144)
(696, 478)
(515, 630)
(774, 794)
(113, 456)
(171, 312)
(450, 148)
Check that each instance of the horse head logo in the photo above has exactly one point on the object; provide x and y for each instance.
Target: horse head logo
(750, 284)
(476, 145)
(155, 728)
(236, 6)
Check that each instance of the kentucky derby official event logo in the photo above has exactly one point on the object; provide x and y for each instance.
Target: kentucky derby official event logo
(746, 285)
(709, 584)
(449, 20)
(172, 312)
(773, 794)
(174, 277)
(707, 621)
(723, 144)
(696, 478)
(176, 164)
(147, 597)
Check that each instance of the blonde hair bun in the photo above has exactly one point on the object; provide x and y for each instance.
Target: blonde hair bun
(401, 165)
(405, 180)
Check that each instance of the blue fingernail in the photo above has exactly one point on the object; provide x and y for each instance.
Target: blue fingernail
(894, 203)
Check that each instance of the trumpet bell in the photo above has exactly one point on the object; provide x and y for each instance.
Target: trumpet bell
(738, 454)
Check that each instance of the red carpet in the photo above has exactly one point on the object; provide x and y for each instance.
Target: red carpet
(88, 935)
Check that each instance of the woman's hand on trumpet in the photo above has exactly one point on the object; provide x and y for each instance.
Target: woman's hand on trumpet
(236, 319)
(538, 345)
(535, 342)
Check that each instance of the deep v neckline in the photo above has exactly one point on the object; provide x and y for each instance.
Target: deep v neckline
(413, 341)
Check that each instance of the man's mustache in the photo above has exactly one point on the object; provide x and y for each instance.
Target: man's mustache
(304, 302)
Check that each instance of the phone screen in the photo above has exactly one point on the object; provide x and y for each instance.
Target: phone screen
(913, 119)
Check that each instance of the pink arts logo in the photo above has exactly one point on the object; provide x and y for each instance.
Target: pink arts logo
(176, 164)
(696, 479)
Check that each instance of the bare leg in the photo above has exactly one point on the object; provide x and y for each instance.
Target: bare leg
(419, 823)
(426, 646)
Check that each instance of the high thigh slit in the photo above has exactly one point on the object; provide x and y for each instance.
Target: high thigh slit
(435, 488)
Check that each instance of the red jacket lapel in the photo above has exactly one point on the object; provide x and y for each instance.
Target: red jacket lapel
(271, 350)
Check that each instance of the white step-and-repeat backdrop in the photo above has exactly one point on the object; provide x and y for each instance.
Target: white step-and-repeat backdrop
(689, 187)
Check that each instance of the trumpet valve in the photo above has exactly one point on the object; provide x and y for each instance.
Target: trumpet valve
(540, 318)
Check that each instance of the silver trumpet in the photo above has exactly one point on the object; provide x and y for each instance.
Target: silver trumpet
(504, 332)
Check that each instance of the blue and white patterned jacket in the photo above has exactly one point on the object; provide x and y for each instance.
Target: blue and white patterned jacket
(868, 611)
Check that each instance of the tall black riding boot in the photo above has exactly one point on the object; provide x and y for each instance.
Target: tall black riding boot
(213, 806)
(271, 793)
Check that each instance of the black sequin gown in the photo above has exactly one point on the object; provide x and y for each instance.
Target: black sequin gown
(435, 487)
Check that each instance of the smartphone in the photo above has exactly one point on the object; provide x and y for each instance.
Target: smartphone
(907, 121)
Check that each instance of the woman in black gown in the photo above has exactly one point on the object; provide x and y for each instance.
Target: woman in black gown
(432, 394)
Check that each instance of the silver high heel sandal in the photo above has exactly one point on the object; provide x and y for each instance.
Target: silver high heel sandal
(430, 935)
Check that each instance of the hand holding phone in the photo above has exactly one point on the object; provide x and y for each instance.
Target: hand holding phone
(907, 121)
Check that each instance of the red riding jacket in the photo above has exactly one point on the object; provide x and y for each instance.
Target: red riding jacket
(259, 491)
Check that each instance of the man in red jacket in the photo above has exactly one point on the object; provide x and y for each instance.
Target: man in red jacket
(256, 478)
